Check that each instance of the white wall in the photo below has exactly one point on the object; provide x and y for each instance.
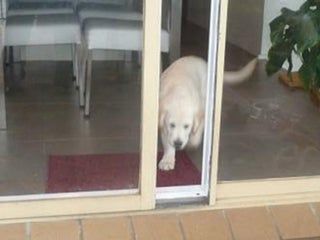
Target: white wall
(271, 10)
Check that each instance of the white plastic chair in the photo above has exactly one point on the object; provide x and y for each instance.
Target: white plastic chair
(52, 29)
(37, 7)
(109, 9)
(111, 34)
(41, 7)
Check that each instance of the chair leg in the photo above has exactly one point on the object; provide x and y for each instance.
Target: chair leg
(3, 118)
(74, 56)
(81, 68)
(140, 58)
(11, 55)
(128, 56)
(11, 69)
(88, 84)
(6, 56)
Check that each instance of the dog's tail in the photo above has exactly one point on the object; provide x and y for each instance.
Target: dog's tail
(235, 77)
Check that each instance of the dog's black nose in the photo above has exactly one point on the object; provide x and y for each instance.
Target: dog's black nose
(177, 144)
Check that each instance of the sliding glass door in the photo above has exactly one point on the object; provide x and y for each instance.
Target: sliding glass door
(266, 144)
(64, 153)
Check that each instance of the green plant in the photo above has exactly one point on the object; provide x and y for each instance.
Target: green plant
(297, 32)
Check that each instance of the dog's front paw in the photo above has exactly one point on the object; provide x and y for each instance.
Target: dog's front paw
(166, 164)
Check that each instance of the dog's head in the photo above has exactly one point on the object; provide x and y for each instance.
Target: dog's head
(177, 124)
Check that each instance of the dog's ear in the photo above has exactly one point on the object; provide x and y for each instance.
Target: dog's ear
(196, 121)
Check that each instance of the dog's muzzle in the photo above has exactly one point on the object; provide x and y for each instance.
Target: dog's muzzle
(177, 144)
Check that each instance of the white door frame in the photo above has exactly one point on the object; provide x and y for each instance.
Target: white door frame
(46, 205)
(250, 192)
(202, 190)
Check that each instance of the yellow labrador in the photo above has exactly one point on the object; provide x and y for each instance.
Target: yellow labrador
(182, 103)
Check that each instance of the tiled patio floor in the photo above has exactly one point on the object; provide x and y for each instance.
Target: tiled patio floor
(290, 222)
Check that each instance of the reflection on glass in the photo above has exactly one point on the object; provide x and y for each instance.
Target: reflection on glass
(269, 127)
(73, 96)
(182, 113)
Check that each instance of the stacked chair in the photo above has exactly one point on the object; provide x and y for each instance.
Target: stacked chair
(85, 25)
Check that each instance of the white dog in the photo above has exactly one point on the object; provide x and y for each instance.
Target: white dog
(182, 103)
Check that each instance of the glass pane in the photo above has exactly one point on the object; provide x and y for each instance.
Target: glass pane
(64, 132)
(183, 94)
(270, 122)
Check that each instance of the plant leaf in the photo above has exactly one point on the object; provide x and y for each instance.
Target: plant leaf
(277, 28)
(307, 35)
(277, 55)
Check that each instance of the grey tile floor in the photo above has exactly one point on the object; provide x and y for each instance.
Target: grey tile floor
(268, 130)
(44, 119)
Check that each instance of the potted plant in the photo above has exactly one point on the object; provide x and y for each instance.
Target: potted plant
(297, 32)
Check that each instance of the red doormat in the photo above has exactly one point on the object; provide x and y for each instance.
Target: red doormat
(112, 172)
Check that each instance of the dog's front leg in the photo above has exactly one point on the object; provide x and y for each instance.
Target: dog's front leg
(168, 160)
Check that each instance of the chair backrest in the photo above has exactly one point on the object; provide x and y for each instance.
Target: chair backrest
(5, 3)
(166, 12)
(3, 9)
(114, 2)
(40, 1)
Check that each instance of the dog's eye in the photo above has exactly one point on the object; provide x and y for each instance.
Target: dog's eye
(186, 126)
(172, 125)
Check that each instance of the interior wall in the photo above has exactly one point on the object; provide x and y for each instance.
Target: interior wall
(245, 21)
(245, 18)
(199, 12)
